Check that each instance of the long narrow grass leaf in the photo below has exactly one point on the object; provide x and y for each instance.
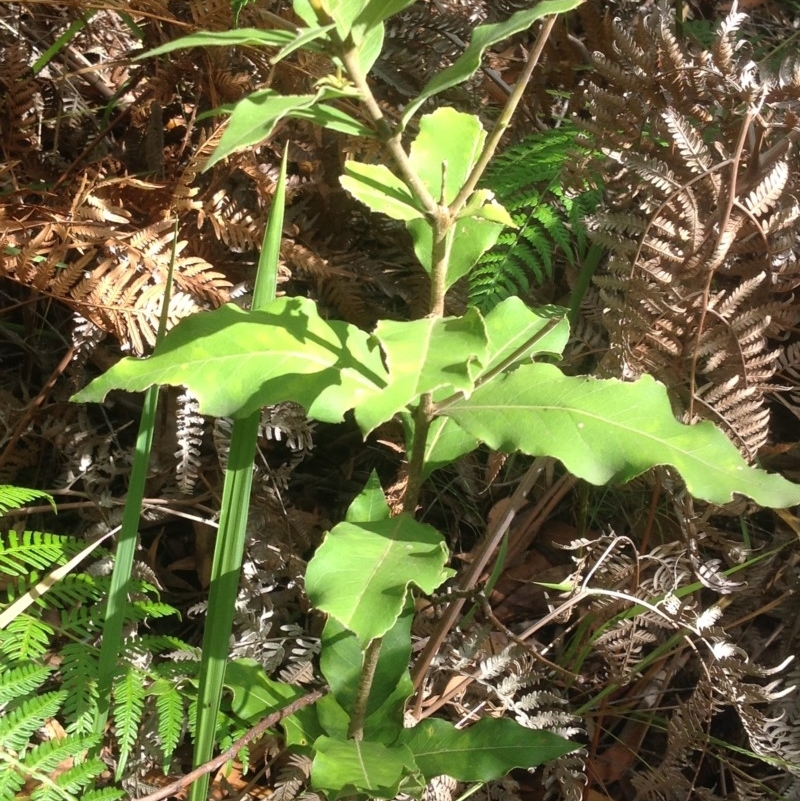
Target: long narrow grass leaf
(231, 536)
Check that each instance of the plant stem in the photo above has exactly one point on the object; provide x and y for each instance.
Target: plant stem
(390, 138)
(504, 120)
(371, 655)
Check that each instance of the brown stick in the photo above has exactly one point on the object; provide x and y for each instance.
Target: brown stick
(226, 756)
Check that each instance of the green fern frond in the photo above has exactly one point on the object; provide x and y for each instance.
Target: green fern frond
(21, 680)
(46, 757)
(77, 589)
(79, 679)
(170, 708)
(526, 179)
(129, 694)
(11, 777)
(105, 794)
(14, 497)
(72, 782)
(26, 638)
(18, 725)
(35, 549)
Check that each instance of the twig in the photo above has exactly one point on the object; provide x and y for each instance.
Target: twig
(493, 538)
(257, 730)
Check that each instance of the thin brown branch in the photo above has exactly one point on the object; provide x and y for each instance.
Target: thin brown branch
(218, 761)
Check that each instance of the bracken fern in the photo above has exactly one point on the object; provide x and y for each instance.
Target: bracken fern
(46, 712)
(527, 180)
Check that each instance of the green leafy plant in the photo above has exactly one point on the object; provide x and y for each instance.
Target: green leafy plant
(455, 382)
(56, 768)
(528, 179)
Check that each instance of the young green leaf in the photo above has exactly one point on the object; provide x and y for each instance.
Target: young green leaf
(378, 188)
(468, 239)
(484, 37)
(254, 694)
(609, 430)
(445, 150)
(362, 573)
(423, 356)
(483, 752)
(253, 37)
(370, 504)
(236, 361)
(348, 767)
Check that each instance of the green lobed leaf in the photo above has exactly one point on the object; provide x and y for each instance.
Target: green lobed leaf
(378, 188)
(423, 356)
(361, 574)
(347, 767)
(236, 361)
(610, 430)
(483, 752)
(254, 694)
(484, 37)
(516, 331)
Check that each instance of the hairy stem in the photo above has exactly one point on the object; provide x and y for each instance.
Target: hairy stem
(371, 655)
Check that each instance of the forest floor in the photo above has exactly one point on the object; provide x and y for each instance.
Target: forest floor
(103, 157)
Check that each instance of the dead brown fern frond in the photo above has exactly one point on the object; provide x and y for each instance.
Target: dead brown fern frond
(700, 218)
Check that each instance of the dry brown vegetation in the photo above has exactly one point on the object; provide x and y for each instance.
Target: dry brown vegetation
(690, 695)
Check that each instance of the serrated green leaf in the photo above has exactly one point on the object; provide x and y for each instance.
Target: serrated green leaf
(423, 356)
(483, 752)
(290, 353)
(345, 767)
(361, 573)
(609, 430)
(484, 37)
